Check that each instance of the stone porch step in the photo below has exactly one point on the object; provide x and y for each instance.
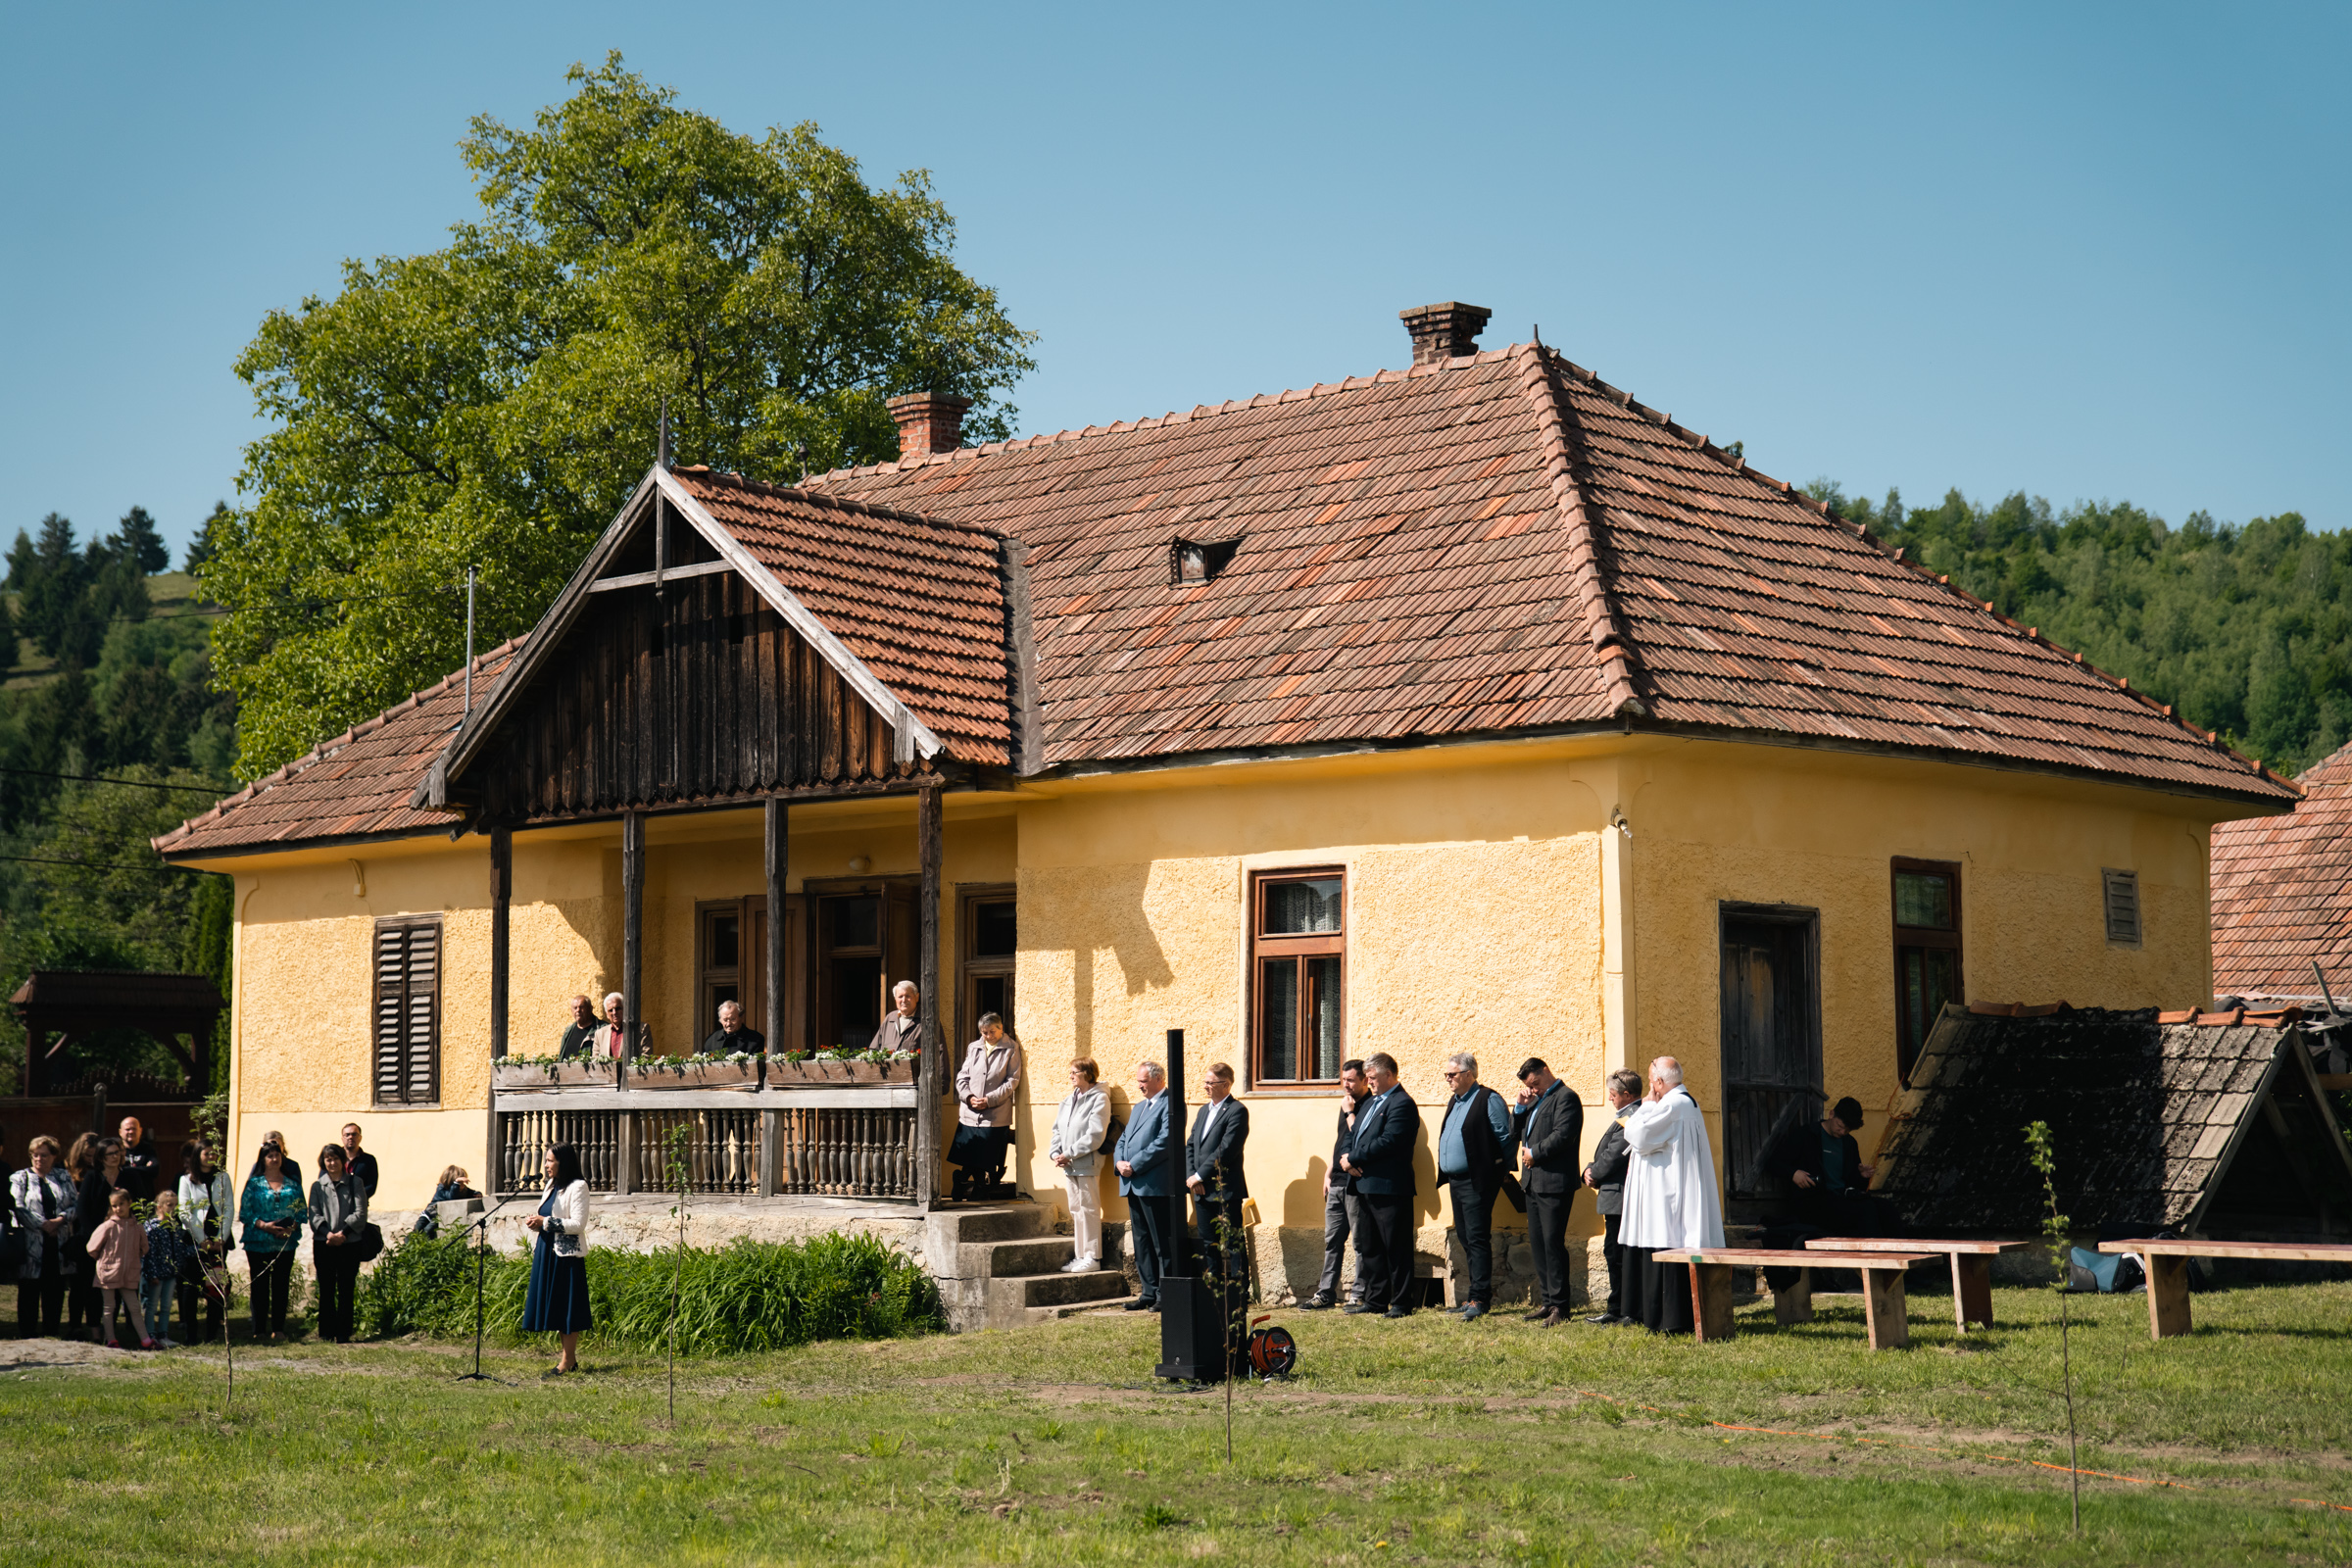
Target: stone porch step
(1019, 1300)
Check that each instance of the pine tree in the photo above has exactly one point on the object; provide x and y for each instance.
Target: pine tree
(140, 539)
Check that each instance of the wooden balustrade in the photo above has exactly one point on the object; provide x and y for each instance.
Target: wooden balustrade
(832, 1150)
(525, 1136)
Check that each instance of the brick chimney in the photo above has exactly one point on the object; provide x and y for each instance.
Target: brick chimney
(928, 422)
(1445, 331)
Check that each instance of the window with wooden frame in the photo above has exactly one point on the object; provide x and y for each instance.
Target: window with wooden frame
(1926, 952)
(986, 944)
(407, 1013)
(1297, 968)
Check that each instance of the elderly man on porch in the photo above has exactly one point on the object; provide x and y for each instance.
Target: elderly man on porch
(616, 1037)
(903, 1030)
(579, 1039)
(985, 1085)
(732, 1035)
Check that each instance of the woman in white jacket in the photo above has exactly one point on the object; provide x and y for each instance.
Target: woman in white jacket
(557, 1299)
(1078, 1129)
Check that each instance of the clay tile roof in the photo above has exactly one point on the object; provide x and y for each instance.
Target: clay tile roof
(1496, 542)
(356, 786)
(2282, 893)
(920, 603)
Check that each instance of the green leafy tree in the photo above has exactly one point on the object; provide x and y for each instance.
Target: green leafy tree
(494, 402)
(2246, 628)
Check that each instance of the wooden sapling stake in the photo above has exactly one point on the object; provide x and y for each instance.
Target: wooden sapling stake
(2054, 1227)
(681, 1185)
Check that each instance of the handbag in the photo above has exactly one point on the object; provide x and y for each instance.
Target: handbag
(371, 1242)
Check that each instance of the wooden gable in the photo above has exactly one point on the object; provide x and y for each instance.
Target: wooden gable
(704, 684)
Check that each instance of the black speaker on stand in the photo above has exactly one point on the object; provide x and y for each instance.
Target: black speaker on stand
(1192, 1339)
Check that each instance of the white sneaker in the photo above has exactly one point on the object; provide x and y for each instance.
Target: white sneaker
(1084, 1266)
(1071, 1267)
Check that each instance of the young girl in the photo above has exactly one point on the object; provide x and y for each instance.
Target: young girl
(168, 1252)
(117, 1248)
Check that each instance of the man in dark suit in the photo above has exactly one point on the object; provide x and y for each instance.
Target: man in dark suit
(1342, 1217)
(1141, 1156)
(1213, 1171)
(1551, 1132)
(1380, 1157)
(1606, 1177)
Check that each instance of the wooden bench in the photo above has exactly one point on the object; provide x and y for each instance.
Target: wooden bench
(1881, 1276)
(1972, 1267)
(2167, 1264)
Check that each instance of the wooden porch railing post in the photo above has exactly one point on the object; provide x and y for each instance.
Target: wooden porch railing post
(632, 924)
(930, 1074)
(779, 860)
(502, 898)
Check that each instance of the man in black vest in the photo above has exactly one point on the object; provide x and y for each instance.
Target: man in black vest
(1380, 1157)
(1551, 1131)
(1475, 1140)
(580, 1039)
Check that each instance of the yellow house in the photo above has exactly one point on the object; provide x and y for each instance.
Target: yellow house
(1472, 707)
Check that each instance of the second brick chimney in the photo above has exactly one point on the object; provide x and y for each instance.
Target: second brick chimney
(928, 422)
(1445, 331)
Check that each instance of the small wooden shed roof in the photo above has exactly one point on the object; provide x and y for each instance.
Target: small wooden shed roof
(2209, 1123)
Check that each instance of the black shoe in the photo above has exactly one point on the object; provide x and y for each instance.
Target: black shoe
(1601, 1317)
(1143, 1303)
(1537, 1317)
(1353, 1308)
(1458, 1308)
(1395, 1312)
(1318, 1304)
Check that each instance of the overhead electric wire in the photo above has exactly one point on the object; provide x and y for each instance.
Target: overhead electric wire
(97, 865)
(134, 783)
(266, 604)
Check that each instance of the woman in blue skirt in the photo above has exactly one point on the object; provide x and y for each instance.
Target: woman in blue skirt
(558, 1301)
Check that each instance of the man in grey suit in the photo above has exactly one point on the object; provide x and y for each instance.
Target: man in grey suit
(1551, 1130)
(1142, 1157)
(1380, 1157)
(1606, 1177)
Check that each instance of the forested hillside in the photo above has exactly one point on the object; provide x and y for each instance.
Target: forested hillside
(2243, 626)
(110, 679)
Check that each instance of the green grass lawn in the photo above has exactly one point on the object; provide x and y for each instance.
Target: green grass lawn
(1424, 1440)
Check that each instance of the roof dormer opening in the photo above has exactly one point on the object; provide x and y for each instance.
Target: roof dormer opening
(1198, 560)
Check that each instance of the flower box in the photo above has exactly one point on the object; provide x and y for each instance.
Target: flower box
(531, 1077)
(783, 1075)
(654, 1074)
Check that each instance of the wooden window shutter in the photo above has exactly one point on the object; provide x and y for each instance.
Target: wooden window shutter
(2123, 907)
(407, 1013)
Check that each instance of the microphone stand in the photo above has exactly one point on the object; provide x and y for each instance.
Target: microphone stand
(481, 1264)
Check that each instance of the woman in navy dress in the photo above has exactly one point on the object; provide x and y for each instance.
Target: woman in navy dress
(558, 1301)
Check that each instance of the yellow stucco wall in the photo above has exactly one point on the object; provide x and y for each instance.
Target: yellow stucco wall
(1471, 924)
(1709, 823)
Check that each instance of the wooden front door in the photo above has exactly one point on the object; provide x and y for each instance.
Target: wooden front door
(1771, 1022)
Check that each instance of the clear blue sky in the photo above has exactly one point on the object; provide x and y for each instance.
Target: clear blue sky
(2086, 251)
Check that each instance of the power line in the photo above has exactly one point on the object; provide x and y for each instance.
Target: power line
(135, 783)
(266, 604)
(96, 865)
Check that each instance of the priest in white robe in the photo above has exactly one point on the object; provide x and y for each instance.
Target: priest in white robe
(1671, 1204)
